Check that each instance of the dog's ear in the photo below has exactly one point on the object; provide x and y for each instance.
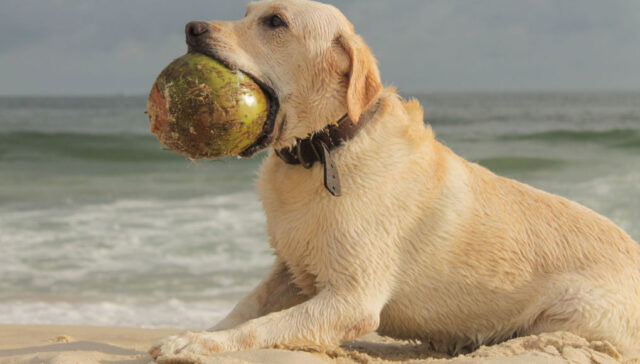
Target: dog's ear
(363, 76)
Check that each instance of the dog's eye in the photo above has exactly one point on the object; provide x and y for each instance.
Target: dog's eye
(275, 22)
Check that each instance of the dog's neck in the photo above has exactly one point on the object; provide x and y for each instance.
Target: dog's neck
(317, 147)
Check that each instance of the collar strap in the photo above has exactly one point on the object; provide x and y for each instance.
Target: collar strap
(307, 151)
(317, 147)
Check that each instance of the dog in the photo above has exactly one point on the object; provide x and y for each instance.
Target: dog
(389, 230)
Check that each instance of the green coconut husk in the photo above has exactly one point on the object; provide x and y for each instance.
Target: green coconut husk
(200, 108)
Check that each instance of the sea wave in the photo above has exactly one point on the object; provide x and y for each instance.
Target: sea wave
(623, 138)
(135, 148)
(521, 164)
(30, 145)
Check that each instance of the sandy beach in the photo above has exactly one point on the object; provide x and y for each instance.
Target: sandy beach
(87, 345)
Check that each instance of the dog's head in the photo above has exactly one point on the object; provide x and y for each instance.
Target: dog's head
(306, 57)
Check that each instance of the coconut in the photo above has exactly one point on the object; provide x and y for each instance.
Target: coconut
(200, 108)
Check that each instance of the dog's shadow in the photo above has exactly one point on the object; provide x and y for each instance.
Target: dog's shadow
(376, 348)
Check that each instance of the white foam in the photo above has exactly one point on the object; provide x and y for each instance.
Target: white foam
(173, 313)
(199, 247)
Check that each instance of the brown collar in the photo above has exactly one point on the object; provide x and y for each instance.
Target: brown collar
(317, 147)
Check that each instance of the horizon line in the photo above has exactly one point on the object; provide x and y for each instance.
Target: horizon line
(401, 92)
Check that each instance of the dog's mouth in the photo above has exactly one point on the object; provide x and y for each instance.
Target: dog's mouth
(273, 105)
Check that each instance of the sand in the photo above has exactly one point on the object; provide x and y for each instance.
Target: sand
(110, 345)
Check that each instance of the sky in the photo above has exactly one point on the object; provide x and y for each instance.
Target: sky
(90, 47)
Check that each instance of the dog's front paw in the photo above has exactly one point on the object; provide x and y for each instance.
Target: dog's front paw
(188, 346)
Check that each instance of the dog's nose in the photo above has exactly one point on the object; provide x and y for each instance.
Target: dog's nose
(196, 28)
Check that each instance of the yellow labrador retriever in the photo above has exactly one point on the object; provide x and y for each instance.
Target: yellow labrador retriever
(378, 227)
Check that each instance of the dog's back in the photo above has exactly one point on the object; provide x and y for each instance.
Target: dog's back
(497, 258)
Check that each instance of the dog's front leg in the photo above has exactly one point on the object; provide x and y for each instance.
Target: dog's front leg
(274, 293)
(325, 320)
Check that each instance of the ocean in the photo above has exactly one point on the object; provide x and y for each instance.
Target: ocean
(101, 226)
